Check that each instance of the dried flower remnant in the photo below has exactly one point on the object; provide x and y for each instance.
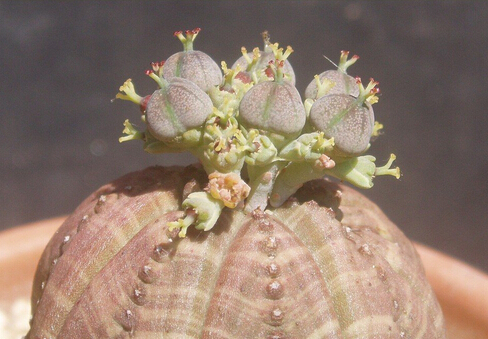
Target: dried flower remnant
(253, 120)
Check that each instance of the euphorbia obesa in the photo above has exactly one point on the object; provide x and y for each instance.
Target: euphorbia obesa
(276, 250)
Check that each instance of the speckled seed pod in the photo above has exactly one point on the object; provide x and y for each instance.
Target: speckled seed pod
(263, 63)
(273, 106)
(342, 117)
(195, 66)
(328, 264)
(175, 109)
(343, 84)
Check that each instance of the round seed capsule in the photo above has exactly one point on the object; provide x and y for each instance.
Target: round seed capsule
(343, 84)
(273, 106)
(195, 66)
(177, 108)
(346, 119)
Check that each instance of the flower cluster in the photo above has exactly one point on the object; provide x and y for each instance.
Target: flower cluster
(252, 116)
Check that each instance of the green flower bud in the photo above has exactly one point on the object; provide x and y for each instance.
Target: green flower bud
(193, 65)
(177, 107)
(349, 120)
(273, 106)
(341, 117)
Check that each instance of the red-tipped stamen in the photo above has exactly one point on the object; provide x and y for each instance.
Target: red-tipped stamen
(269, 71)
(344, 63)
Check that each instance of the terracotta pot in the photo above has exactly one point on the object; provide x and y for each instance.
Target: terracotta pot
(462, 290)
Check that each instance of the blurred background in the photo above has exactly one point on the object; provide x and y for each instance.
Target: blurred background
(61, 63)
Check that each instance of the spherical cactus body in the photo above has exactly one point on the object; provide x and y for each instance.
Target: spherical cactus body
(328, 264)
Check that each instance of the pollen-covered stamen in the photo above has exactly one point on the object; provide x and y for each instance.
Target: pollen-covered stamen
(131, 133)
(128, 92)
(377, 129)
(183, 224)
(287, 53)
(280, 57)
(188, 40)
(369, 93)
(323, 87)
(245, 55)
(229, 76)
(387, 170)
(278, 52)
(344, 63)
(251, 62)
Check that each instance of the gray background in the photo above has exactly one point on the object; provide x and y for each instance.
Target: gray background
(62, 62)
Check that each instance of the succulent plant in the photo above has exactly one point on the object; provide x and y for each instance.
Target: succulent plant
(252, 242)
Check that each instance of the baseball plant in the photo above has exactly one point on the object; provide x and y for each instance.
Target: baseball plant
(252, 242)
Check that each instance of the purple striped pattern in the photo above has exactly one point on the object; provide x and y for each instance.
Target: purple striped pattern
(114, 271)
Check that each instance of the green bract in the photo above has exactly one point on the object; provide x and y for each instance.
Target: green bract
(253, 120)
